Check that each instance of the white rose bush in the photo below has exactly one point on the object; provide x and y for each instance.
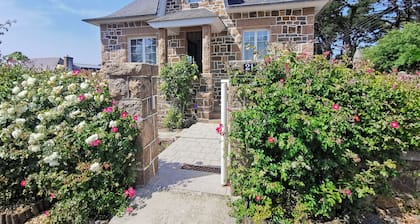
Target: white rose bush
(63, 139)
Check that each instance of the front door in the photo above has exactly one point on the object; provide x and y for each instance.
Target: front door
(195, 48)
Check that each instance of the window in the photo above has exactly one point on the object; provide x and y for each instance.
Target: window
(143, 50)
(194, 1)
(257, 41)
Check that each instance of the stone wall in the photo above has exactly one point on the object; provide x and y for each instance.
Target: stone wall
(114, 39)
(135, 87)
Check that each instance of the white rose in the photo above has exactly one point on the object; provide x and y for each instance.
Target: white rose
(88, 96)
(94, 167)
(11, 111)
(20, 121)
(52, 159)
(31, 81)
(57, 90)
(34, 148)
(15, 90)
(91, 139)
(53, 78)
(72, 87)
(22, 94)
(16, 133)
(84, 85)
(74, 114)
(112, 124)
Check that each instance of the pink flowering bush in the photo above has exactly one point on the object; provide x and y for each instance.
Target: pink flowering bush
(63, 140)
(316, 137)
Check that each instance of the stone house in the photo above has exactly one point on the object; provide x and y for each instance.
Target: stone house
(212, 32)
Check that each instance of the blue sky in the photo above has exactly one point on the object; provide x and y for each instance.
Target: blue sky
(53, 28)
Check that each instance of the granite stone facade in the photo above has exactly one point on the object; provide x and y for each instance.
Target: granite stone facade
(135, 88)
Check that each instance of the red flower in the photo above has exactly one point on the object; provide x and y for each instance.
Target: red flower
(219, 129)
(347, 192)
(82, 97)
(95, 143)
(336, 106)
(258, 198)
(356, 118)
(271, 139)
(108, 110)
(114, 129)
(130, 193)
(52, 196)
(282, 80)
(136, 118)
(394, 124)
(124, 114)
(76, 72)
(129, 210)
(23, 183)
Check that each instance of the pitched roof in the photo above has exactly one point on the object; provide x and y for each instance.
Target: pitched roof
(44, 63)
(186, 14)
(247, 5)
(138, 9)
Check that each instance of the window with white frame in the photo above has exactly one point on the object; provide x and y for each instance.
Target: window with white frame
(143, 50)
(255, 41)
(194, 1)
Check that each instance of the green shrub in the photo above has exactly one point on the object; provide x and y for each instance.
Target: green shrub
(316, 137)
(62, 139)
(177, 87)
(173, 119)
(398, 49)
(9, 76)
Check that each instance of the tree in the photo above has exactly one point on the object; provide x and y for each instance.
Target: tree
(17, 56)
(345, 25)
(397, 49)
(4, 27)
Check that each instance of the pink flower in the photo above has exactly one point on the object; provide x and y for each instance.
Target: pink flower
(108, 110)
(114, 129)
(271, 139)
(136, 118)
(47, 213)
(124, 114)
(394, 124)
(326, 53)
(219, 129)
(257, 198)
(394, 86)
(23, 183)
(99, 90)
(267, 60)
(287, 69)
(95, 143)
(130, 193)
(370, 70)
(82, 97)
(336, 106)
(347, 192)
(76, 72)
(129, 210)
(114, 102)
(52, 196)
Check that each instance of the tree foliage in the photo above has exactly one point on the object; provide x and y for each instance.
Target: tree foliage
(345, 25)
(397, 49)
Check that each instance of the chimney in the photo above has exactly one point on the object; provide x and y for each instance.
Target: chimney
(68, 63)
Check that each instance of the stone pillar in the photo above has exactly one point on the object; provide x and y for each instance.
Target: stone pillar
(206, 48)
(162, 48)
(207, 76)
(135, 87)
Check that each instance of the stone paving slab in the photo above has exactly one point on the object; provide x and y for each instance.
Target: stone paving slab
(183, 196)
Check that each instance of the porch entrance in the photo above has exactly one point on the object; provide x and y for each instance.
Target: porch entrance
(195, 48)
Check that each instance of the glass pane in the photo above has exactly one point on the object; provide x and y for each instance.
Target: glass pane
(249, 45)
(150, 50)
(136, 50)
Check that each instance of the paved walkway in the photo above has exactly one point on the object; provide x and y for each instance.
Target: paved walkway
(182, 196)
